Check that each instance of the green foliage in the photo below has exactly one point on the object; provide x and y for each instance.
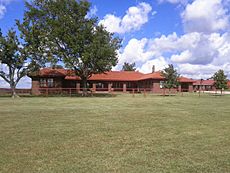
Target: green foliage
(171, 77)
(60, 30)
(220, 80)
(129, 66)
(55, 66)
(15, 57)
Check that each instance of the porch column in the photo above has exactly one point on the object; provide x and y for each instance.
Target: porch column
(94, 87)
(179, 88)
(124, 87)
(78, 86)
(190, 88)
(109, 87)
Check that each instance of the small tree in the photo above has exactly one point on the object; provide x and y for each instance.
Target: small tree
(221, 81)
(14, 56)
(171, 77)
(129, 67)
(65, 33)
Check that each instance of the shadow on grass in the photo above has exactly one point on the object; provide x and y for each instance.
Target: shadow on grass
(102, 95)
(217, 95)
(167, 95)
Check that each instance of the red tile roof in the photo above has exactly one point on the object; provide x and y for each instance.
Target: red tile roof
(156, 75)
(108, 76)
(49, 72)
(112, 76)
(204, 82)
(185, 80)
(72, 78)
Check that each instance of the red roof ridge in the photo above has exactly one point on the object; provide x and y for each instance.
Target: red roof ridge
(116, 71)
(185, 79)
(107, 76)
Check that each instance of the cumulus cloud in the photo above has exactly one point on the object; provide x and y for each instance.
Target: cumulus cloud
(3, 4)
(195, 54)
(174, 1)
(205, 16)
(6, 1)
(2, 11)
(134, 19)
(25, 82)
(202, 71)
(202, 51)
(136, 51)
(194, 48)
(160, 63)
(182, 57)
(92, 12)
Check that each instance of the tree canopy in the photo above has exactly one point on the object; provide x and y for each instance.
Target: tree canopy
(62, 31)
(221, 80)
(129, 66)
(15, 57)
(171, 77)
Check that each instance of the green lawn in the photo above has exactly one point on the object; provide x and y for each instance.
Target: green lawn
(115, 134)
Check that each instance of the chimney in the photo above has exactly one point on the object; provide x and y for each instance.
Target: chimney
(153, 69)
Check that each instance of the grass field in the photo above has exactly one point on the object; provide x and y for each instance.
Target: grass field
(115, 134)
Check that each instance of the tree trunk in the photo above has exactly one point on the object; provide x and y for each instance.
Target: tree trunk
(84, 82)
(13, 92)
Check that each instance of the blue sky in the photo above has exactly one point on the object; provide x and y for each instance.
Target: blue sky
(191, 34)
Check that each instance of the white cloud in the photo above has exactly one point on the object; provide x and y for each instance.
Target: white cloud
(160, 63)
(135, 51)
(183, 57)
(25, 82)
(2, 11)
(134, 19)
(92, 12)
(202, 71)
(174, 1)
(201, 52)
(197, 71)
(205, 16)
(3, 4)
(194, 54)
(6, 1)
(3, 84)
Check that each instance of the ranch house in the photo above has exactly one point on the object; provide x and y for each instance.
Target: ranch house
(62, 80)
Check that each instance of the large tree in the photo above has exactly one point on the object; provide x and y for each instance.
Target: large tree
(171, 77)
(129, 66)
(221, 81)
(14, 56)
(64, 32)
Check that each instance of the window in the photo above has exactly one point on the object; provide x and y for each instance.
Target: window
(100, 85)
(43, 83)
(162, 84)
(47, 82)
(117, 85)
(50, 82)
(129, 85)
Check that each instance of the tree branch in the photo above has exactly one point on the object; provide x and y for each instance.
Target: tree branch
(3, 75)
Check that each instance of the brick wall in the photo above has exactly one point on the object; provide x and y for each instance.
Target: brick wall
(35, 86)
